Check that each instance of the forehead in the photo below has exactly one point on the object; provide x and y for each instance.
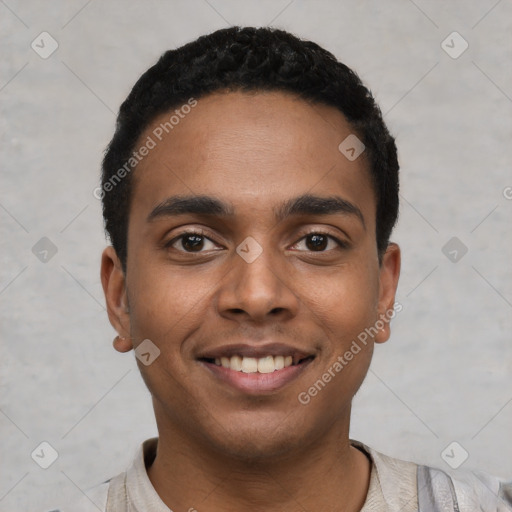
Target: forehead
(254, 148)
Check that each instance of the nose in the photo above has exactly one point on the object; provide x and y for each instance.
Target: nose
(257, 291)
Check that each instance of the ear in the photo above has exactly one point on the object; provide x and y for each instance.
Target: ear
(114, 287)
(388, 282)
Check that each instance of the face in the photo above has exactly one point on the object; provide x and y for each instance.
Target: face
(252, 267)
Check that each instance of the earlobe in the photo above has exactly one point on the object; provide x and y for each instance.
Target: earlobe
(389, 274)
(114, 287)
(122, 344)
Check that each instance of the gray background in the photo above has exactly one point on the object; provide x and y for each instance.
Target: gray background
(446, 374)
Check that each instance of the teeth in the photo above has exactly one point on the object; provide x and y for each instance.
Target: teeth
(249, 365)
(279, 362)
(235, 363)
(267, 364)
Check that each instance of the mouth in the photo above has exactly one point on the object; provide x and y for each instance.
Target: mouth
(256, 370)
(265, 364)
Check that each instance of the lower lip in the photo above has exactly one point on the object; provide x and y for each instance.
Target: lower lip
(255, 383)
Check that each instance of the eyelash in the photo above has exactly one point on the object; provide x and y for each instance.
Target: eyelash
(341, 244)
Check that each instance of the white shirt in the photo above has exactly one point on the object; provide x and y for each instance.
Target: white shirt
(393, 488)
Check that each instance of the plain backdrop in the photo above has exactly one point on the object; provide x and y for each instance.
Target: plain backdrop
(446, 374)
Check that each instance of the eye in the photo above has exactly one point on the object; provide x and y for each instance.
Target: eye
(320, 242)
(190, 242)
(197, 242)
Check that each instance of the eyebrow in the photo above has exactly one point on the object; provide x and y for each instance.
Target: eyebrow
(305, 204)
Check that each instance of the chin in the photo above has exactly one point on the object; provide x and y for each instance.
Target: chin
(260, 450)
(259, 441)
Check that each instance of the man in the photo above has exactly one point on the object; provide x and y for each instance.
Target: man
(249, 193)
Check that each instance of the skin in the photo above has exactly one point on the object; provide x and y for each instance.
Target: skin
(220, 448)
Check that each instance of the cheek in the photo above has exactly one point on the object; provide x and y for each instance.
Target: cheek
(345, 301)
(164, 304)
(344, 307)
(167, 308)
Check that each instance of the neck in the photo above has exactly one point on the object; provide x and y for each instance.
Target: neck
(330, 474)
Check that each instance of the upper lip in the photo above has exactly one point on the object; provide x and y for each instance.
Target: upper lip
(256, 351)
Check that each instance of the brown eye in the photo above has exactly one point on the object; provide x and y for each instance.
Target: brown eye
(316, 242)
(191, 242)
(319, 242)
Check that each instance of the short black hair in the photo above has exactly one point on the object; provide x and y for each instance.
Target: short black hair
(247, 59)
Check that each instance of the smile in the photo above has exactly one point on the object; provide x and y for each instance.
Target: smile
(256, 371)
(266, 364)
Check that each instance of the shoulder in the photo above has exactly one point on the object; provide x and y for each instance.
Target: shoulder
(98, 495)
(467, 490)
(112, 492)
(463, 491)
